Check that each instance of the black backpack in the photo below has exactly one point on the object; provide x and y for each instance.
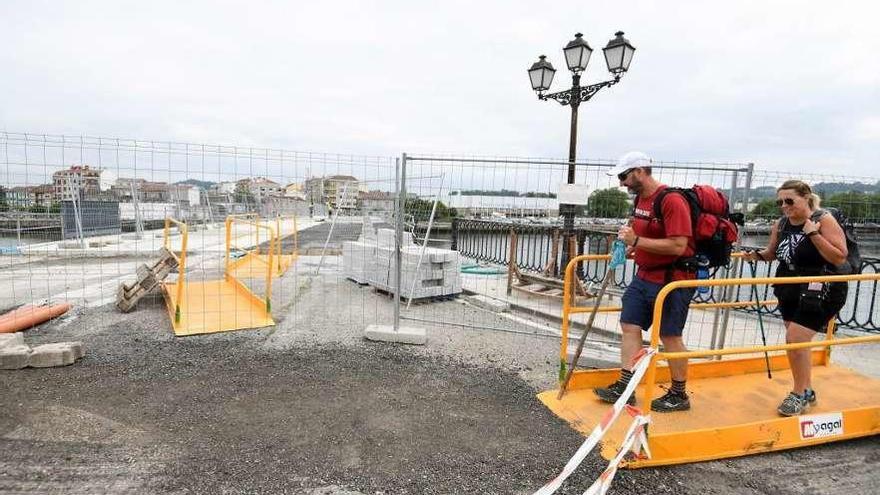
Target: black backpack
(853, 263)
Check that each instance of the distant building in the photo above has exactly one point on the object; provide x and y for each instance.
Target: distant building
(224, 188)
(260, 188)
(27, 196)
(376, 201)
(340, 191)
(295, 191)
(508, 206)
(147, 192)
(185, 193)
(88, 182)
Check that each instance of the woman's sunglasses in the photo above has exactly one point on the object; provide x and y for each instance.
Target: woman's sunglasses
(786, 201)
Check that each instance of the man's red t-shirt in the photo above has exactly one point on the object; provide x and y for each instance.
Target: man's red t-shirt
(676, 222)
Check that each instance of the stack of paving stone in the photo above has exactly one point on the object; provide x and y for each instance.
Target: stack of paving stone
(15, 354)
(149, 277)
(373, 262)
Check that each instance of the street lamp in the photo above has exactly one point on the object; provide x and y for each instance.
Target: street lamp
(618, 55)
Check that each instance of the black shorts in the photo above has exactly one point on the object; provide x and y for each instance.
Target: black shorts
(789, 296)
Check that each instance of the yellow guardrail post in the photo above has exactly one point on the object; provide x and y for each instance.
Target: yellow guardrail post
(278, 229)
(181, 260)
(230, 220)
(568, 300)
(228, 246)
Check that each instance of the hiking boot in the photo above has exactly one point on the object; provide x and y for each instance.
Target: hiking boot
(672, 401)
(811, 397)
(613, 392)
(794, 404)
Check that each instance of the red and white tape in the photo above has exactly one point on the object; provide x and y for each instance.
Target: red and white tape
(640, 365)
(634, 441)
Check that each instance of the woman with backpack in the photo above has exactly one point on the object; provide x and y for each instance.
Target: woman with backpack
(806, 241)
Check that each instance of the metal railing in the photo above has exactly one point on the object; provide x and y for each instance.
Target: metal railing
(230, 221)
(829, 341)
(489, 241)
(181, 260)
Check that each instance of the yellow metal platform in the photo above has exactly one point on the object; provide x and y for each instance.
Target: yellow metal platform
(256, 265)
(215, 306)
(733, 410)
(733, 403)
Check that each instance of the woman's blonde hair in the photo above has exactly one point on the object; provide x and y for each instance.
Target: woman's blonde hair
(803, 190)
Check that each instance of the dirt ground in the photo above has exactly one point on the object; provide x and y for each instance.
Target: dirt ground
(310, 407)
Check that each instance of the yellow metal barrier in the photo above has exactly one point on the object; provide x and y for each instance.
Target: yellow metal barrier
(254, 263)
(181, 260)
(273, 240)
(684, 284)
(733, 401)
(209, 306)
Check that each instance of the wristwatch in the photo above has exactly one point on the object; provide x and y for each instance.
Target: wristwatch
(811, 234)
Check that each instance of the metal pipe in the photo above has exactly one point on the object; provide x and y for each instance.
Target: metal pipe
(412, 287)
(400, 204)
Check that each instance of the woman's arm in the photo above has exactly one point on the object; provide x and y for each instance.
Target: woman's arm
(829, 238)
(769, 252)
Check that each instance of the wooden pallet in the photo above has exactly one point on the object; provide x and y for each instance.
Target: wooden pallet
(148, 281)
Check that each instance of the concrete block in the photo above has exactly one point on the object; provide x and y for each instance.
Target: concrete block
(403, 335)
(489, 303)
(10, 339)
(48, 355)
(76, 347)
(14, 357)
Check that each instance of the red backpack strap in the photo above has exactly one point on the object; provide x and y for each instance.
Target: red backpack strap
(689, 198)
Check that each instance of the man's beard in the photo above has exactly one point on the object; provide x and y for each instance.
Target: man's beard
(636, 188)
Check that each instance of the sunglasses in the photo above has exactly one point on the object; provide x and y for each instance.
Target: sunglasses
(786, 201)
(623, 175)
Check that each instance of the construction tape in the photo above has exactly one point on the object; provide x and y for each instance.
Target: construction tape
(640, 365)
(634, 441)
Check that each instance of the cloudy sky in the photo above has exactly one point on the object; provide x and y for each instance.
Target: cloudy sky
(787, 85)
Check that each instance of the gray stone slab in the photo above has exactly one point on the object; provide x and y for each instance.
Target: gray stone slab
(11, 339)
(49, 355)
(403, 335)
(489, 303)
(14, 357)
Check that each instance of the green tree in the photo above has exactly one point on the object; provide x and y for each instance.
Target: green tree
(421, 209)
(858, 206)
(608, 203)
(765, 209)
(243, 193)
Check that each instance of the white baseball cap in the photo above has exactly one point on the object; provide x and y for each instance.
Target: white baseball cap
(629, 161)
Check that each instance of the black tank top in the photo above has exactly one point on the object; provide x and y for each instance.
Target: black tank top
(796, 253)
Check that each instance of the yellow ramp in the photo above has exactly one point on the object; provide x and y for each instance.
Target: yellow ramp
(733, 411)
(215, 306)
(256, 265)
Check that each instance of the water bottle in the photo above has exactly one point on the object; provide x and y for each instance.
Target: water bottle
(702, 272)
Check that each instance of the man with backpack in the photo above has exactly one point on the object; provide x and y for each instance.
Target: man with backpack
(658, 244)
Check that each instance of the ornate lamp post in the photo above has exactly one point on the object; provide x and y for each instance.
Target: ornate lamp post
(618, 54)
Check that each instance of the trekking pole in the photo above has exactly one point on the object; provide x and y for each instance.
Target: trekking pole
(754, 267)
(618, 257)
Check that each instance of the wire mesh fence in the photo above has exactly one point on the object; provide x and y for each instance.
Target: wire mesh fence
(313, 238)
(83, 216)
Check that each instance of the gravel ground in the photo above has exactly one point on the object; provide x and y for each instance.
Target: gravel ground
(310, 407)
